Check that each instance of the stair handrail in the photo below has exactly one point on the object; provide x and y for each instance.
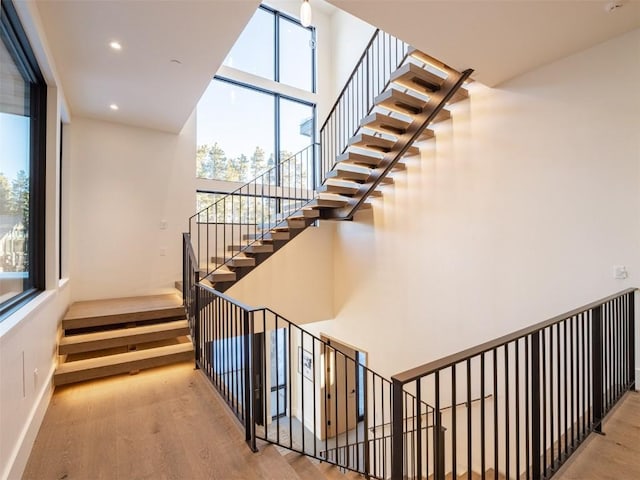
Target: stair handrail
(594, 343)
(223, 319)
(369, 78)
(292, 181)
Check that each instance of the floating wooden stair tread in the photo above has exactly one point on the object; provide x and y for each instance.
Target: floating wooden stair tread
(329, 203)
(398, 101)
(426, 134)
(238, 261)
(349, 172)
(385, 123)
(306, 213)
(89, 342)
(267, 237)
(359, 159)
(254, 248)
(416, 78)
(121, 363)
(93, 313)
(371, 142)
(339, 189)
(461, 94)
(442, 115)
(221, 275)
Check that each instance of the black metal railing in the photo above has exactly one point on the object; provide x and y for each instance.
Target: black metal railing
(551, 385)
(291, 388)
(241, 218)
(371, 76)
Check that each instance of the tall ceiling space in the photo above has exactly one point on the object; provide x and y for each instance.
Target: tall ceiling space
(499, 39)
(170, 51)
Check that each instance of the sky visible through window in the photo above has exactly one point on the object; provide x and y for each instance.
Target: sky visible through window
(236, 122)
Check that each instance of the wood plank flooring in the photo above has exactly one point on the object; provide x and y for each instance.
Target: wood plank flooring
(166, 423)
(613, 456)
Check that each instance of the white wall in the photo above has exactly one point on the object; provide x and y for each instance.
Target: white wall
(125, 182)
(28, 337)
(296, 282)
(350, 36)
(517, 212)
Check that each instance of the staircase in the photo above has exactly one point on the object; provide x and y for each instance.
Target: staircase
(359, 154)
(111, 337)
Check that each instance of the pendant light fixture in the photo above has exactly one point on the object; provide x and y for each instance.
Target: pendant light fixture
(305, 13)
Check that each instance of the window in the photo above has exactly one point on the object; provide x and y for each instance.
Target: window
(276, 47)
(22, 136)
(245, 129)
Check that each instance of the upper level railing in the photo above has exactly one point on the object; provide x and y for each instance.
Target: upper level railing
(551, 385)
(292, 388)
(382, 56)
(243, 216)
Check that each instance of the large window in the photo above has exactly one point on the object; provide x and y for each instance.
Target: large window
(22, 136)
(245, 129)
(276, 47)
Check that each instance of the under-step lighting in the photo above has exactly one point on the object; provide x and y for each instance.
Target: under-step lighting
(305, 13)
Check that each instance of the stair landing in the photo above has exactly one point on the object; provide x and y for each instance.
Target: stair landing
(124, 335)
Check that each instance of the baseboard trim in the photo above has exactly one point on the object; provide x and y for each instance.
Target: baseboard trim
(22, 449)
(638, 379)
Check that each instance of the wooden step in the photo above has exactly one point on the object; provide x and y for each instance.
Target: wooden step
(239, 261)
(267, 237)
(90, 342)
(94, 313)
(91, 368)
(329, 203)
(350, 172)
(254, 248)
(385, 123)
(461, 94)
(427, 134)
(398, 101)
(221, 275)
(370, 142)
(305, 213)
(330, 472)
(297, 223)
(359, 159)
(303, 467)
(379, 144)
(416, 78)
(428, 60)
(342, 188)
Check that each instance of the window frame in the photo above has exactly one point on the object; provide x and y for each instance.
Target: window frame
(277, 96)
(22, 53)
(277, 17)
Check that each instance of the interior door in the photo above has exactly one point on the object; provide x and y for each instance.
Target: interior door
(340, 409)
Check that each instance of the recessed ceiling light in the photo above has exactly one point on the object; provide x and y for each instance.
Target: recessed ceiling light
(113, 106)
(116, 45)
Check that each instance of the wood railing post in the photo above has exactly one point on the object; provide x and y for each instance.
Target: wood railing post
(397, 440)
(596, 369)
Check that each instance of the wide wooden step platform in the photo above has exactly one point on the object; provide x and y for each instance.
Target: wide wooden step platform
(123, 335)
(99, 367)
(120, 337)
(122, 310)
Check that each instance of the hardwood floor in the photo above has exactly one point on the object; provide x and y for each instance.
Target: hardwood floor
(168, 423)
(165, 423)
(613, 456)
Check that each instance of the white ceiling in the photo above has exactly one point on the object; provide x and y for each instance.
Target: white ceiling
(150, 90)
(500, 39)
